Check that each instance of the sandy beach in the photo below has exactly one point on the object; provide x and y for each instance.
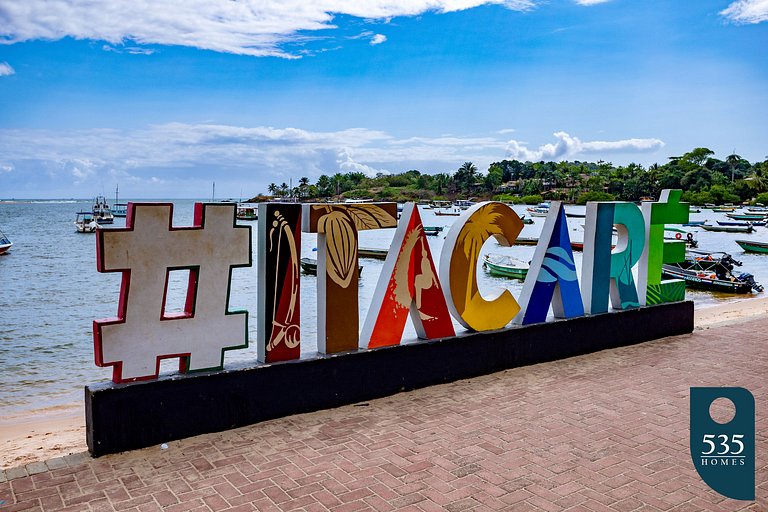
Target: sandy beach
(50, 433)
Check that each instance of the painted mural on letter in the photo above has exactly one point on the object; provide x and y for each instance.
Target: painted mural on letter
(408, 285)
(459, 260)
(279, 252)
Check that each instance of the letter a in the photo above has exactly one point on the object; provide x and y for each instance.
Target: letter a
(408, 282)
(552, 275)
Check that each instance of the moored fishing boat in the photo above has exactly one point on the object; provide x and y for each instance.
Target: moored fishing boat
(745, 216)
(704, 279)
(432, 230)
(579, 246)
(694, 223)
(741, 223)
(452, 213)
(538, 212)
(719, 262)
(505, 266)
(309, 267)
(85, 222)
(525, 240)
(119, 209)
(753, 246)
(5, 243)
(373, 254)
(101, 211)
(711, 271)
(729, 229)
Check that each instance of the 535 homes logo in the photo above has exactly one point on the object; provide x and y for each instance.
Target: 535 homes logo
(724, 453)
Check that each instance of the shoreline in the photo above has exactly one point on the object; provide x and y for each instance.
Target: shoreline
(43, 434)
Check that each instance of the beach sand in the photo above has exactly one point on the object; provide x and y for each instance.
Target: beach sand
(50, 433)
(42, 435)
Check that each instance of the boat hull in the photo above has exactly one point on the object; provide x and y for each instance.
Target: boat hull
(700, 281)
(728, 229)
(750, 246)
(373, 254)
(504, 271)
(309, 267)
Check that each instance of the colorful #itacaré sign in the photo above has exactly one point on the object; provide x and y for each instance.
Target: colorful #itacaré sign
(409, 286)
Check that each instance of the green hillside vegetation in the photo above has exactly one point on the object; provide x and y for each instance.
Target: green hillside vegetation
(703, 178)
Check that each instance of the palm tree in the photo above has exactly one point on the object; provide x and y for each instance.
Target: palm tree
(733, 160)
(324, 185)
(303, 184)
(440, 183)
(336, 181)
(272, 188)
(466, 175)
(758, 178)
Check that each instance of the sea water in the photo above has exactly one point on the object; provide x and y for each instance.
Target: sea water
(50, 293)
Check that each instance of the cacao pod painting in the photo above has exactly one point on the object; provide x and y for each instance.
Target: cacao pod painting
(371, 216)
(341, 248)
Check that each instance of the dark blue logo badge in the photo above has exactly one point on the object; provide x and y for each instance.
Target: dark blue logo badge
(724, 453)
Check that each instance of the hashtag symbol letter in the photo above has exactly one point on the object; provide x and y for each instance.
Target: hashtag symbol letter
(145, 251)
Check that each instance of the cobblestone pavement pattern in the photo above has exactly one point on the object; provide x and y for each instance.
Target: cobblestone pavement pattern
(606, 431)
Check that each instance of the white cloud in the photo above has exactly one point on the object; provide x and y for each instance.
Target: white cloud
(378, 39)
(568, 146)
(506, 131)
(348, 164)
(591, 2)
(133, 50)
(180, 160)
(747, 11)
(6, 69)
(248, 27)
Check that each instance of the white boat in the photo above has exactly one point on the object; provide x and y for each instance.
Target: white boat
(505, 266)
(101, 211)
(540, 210)
(5, 244)
(85, 222)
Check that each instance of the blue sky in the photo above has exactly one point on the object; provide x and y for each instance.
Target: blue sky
(164, 98)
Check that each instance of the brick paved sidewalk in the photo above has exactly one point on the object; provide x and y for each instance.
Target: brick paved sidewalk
(607, 431)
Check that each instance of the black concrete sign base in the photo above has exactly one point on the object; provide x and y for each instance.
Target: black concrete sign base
(122, 417)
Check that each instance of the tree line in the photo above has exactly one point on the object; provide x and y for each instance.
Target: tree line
(703, 178)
